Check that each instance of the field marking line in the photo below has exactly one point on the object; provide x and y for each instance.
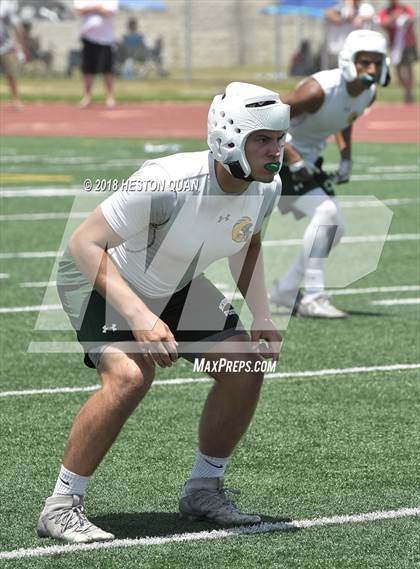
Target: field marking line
(43, 216)
(188, 380)
(351, 239)
(395, 301)
(350, 291)
(43, 193)
(46, 216)
(225, 288)
(273, 243)
(38, 308)
(41, 284)
(377, 289)
(31, 255)
(394, 177)
(264, 527)
(4, 275)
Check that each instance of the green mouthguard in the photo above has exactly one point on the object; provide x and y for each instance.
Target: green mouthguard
(272, 166)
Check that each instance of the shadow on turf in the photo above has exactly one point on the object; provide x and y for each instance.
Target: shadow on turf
(156, 524)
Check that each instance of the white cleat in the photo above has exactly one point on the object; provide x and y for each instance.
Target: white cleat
(205, 499)
(63, 518)
(319, 306)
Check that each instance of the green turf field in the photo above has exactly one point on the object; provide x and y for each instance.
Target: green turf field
(326, 444)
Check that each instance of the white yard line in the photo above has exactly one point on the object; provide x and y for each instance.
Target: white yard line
(274, 243)
(349, 240)
(37, 284)
(46, 216)
(4, 275)
(31, 255)
(33, 192)
(395, 301)
(43, 216)
(373, 290)
(395, 176)
(36, 308)
(265, 527)
(188, 380)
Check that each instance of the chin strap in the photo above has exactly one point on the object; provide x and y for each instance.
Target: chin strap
(237, 171)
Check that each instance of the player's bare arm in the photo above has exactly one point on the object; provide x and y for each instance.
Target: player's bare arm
(247, 268)
(305, 98)
(88, 246)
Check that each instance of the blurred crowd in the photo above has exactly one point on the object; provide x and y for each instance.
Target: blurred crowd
(135, 56)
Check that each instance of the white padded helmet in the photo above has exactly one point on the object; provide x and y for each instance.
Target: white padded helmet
(363, 40)
(233, 116)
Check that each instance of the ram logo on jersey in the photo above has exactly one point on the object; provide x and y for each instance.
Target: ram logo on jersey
(242, 230)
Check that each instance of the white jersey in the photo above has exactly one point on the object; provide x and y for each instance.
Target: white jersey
(176, 220)
(94, 27)
(308, 132)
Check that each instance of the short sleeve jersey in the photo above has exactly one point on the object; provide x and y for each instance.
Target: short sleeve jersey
(176, 220)
(308, 132)
(94, 26)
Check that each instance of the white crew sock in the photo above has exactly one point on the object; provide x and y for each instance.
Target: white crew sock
(69, 483)
(314, 282)
(208, 466)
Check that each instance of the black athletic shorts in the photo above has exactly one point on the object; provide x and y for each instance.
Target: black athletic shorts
(96, 58)
(292, 190)
(409, 56)
(207, 317)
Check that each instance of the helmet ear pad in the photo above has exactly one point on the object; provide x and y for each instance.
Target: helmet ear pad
(347, 66)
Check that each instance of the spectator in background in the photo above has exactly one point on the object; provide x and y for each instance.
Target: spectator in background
(96, 33)
(343, 18)
(398, 20)
(133, 48)
(303, 61)
(12, 47)
(33, 47)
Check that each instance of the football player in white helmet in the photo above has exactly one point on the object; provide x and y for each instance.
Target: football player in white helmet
(327, 103)
(133, 286)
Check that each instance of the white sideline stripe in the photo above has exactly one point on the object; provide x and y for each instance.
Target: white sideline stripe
(284, 242)
(45, 216)
(43, 193)
(31, 255)
(349, 291)
(225, 288)
(265, 527)
(369, 290)
(4, 275)
(37, 284)
(188, 380)
(394, 301)
(378, 203)
(395, 168)
(38, 308)
(352, 239)
(395, 176)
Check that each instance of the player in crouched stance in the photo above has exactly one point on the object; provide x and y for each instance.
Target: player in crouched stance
(324, 104)
(144, 255)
